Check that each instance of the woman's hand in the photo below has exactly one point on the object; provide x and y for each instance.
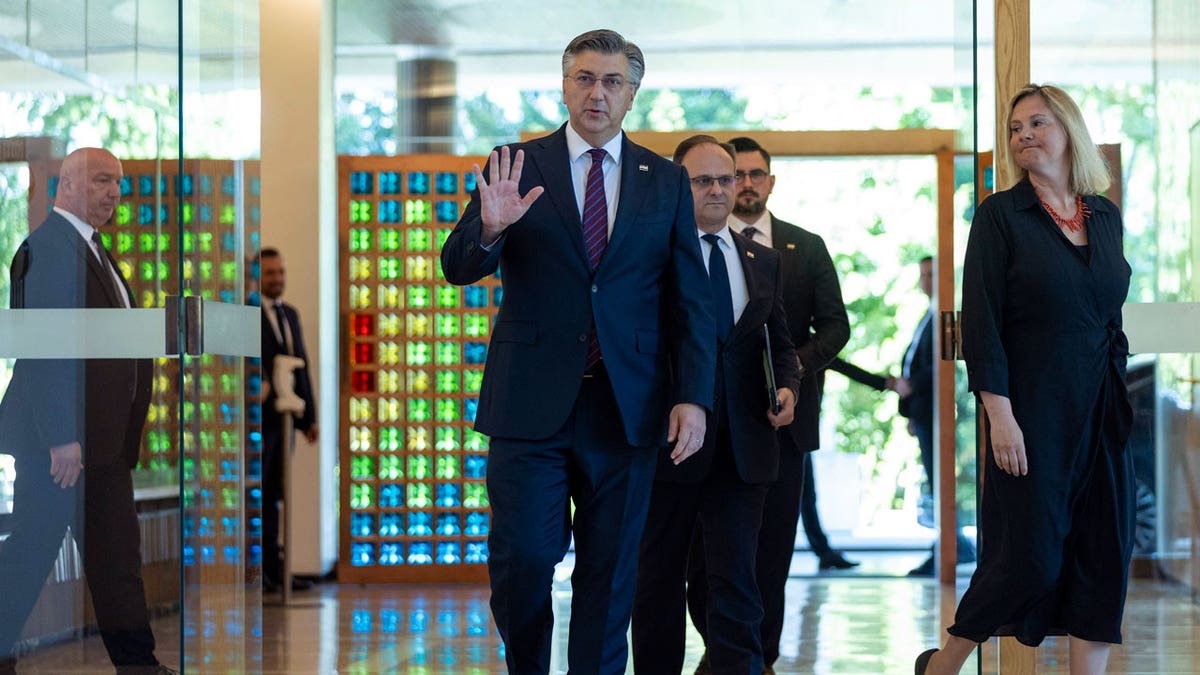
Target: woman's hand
(1008, 443)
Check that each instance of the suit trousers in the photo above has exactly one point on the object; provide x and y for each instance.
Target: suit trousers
(709, 529)
(776, 545)
(531, 486)
(110, 539)
(810, 518)
(272, 494)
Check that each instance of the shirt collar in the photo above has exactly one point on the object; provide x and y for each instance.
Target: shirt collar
(763, 224)
(576, 146)
(85, 230)
(723, 234)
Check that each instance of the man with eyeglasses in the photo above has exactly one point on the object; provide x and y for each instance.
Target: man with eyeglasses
(603, 351)
(720, 491)
(819, 329)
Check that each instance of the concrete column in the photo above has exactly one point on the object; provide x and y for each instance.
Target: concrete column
(426, 87)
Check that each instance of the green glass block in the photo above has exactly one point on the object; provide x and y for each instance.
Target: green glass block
(418, 297)
(360, 239)
(447, 467)
(146, 269)
(189, 242)
(472, 381)
(419, 410)
(206, 270)
(360, 211)
(442, 234)
(229, 441)
(476, 325)
(446, 325)
(418, 211)
(124, 214)
(229, 270)
(475, 441)
(419, 268)
(447, 297)
(418, 439)
(228, 214)
(124, 243)
(447, 410)
(206, 242)
(362, 496)
(420, 495)
(475, 496)
(390, 468)
(419, 240)
(447, 382)
(389, 268)
(186, 213)
(389, 439)
(418, 353)
(389, 240)
(446, 353)
(419, 467)
(208, 442)
(230, 383)
(447, 439)
(230, 498)
(361, 467)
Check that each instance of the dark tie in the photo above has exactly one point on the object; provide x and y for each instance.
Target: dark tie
(284, 329)
(749, 233)
(107, 266)
(718, 276)
(595, 230)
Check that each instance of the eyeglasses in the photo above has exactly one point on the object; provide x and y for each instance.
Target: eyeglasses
(587, 81)
(756, 176)
(705, 182)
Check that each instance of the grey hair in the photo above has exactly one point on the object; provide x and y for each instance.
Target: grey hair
(606, 41)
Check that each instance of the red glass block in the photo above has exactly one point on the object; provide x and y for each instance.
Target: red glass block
(362, 381)
(363, 325)
(364, 352)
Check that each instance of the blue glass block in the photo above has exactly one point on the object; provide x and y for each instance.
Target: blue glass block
(475, 296)
(446, 211)
(189, 526)
(448, 495)
(184, 185)
(389, 182)
(470, 409)
(164, 214)
(255, 498)
(208, 555)
(362, 182)
(228, 185)
(447, 619)
(417, 621)
(229, 297)
(205, 214)
(126, 186)
(228, 242)
(391, 524)
(231, 555)
(497, 295)
(360, 621)
(146, 185)
(255, 215)
(52, 186)
(469, 181)
(389, 621)
(476, 552)
(448, 524)
(390, 211)
(362, 554)
(476, 467)
(477, 524)
(205, 529)
(420, 553)
(391, 496)
(254, 526)
(362, 525)
(205, 184)
(447, 183)
(229, 526)
(145, 214)
(474, 352)
(418, 183)
(391, 554)
(420, 525)
(254, 554)
(189, 555)
(255, 186)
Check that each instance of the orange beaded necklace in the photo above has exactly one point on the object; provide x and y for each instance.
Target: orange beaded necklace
(1075, 223)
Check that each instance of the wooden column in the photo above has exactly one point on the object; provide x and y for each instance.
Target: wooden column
(945, 446)
(1012, 73)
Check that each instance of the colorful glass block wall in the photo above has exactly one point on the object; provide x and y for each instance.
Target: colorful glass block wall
(414, 503)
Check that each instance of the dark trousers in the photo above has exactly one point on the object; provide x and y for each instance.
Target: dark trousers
(924, 434)
(100, 513)
(531, 486)
(817, 541)
(776, 544)
(715, 524)
(272, 494)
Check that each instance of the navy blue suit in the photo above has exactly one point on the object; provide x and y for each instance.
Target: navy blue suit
(721, 490)
(558, 437)
(100, 403)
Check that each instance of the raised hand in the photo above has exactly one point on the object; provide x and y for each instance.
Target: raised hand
(500, 200)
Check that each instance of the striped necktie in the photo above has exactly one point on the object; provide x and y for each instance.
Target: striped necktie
(595, 230)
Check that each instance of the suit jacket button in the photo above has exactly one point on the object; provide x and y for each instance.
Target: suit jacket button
(595, 288)
(583, 337)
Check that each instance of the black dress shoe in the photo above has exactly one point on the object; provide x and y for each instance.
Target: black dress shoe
(923, 661)
(834, 561)
(925, 569)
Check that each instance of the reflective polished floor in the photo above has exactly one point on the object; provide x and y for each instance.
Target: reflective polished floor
(867, 621)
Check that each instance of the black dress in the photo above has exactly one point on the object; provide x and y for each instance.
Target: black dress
(1042, 326)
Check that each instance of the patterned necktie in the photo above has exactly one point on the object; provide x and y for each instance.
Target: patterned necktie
(595, 231)
(107, 266)
(595, 209)
(749, 233)
(718, 276)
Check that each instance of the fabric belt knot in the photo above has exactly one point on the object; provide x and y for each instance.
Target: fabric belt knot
(1116, 406)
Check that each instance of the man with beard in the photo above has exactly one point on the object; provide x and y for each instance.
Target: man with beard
(819, 329)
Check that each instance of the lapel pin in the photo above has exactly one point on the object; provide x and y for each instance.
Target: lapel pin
(790, 246)
(749, 254)
(643, 167)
